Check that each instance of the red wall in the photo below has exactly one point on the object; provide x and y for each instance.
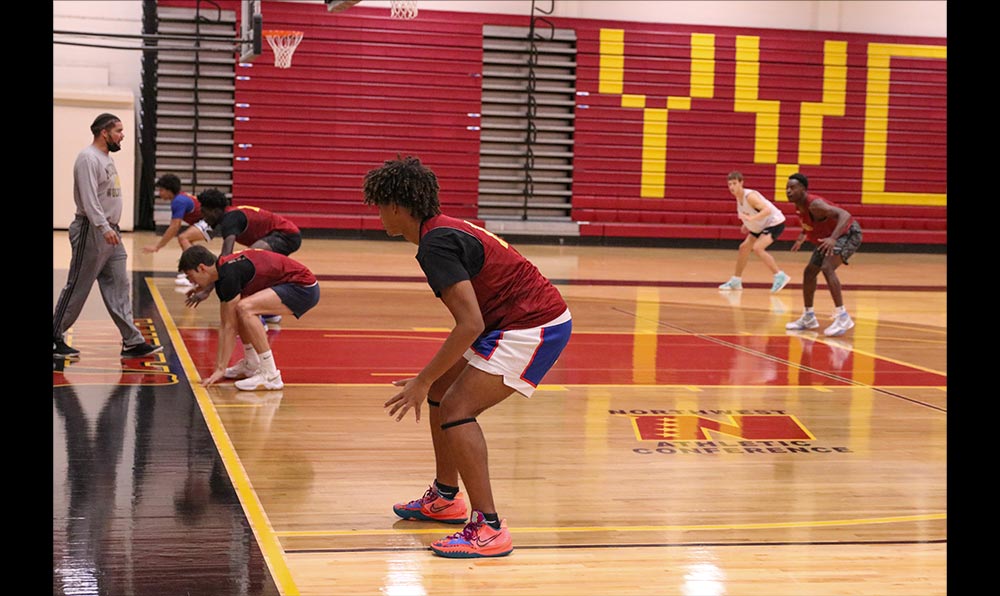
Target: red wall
(863, 116)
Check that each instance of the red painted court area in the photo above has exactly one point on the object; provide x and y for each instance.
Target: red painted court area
(366, 356)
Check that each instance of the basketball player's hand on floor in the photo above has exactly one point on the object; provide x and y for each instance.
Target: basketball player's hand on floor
(195, 296)
(217, 375)
(412, 396)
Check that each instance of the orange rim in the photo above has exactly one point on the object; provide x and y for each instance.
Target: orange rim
(279, 33)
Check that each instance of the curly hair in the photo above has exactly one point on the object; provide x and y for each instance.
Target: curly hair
(170, 182)
(213, 198)
(405, 182)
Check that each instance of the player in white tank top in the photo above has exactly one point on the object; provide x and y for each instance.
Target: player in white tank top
(750, 207)
(763, 222)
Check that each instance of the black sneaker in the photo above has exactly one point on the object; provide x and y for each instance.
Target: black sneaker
(61, 350)
(140, 350)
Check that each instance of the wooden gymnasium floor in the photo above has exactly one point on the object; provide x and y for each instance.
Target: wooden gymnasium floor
(684, 443)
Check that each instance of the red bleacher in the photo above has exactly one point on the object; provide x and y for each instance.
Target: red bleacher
(364, 88)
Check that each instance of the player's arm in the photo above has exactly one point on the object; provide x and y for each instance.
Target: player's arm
(756, 200)
(460, 298)
(230, 225)
(228, 328)
(227, 245)
(802, 234)
(822, 210)
(168, 235)
(461, 301)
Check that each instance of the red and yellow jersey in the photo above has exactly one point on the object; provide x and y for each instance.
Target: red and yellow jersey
(254, 224)
(511, 292)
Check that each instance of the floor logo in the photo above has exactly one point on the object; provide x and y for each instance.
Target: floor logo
(708, 432)
(692, 427)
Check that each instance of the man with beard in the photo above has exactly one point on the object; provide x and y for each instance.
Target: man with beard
(97, 250)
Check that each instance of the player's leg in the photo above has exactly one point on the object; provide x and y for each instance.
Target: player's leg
(442, 501)
(760, 246)
(254, 339)
(500, 362)
(809, 278)
(743, 255)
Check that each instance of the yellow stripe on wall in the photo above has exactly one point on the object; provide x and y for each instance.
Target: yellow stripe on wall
(834, 93)
(746, 99)
(877, 95)
(612, 65)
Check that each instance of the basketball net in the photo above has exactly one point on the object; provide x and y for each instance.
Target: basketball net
(283, 43)
(403, 9)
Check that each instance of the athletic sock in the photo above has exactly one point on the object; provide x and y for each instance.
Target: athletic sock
(448, 492)
(250, 355)
(493, 519)
(267, 364)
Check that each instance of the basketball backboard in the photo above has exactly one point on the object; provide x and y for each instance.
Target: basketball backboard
(339, 5)
(251, 25)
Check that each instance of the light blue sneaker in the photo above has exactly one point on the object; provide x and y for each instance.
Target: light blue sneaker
(781, 280)
(734, 283)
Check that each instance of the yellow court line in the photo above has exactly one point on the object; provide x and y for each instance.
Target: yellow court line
(576, 530)
(887, 359)
(692, 388)
(267, 539)
(381, 336)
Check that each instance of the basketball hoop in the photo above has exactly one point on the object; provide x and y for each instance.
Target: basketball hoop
(403, 9)
(283, 43)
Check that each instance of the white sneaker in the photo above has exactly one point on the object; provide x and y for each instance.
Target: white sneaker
(259, 382)
(806, 321)
(270, 319)
(240, 370)
(182, 280)
(841, 323)
(732, 284)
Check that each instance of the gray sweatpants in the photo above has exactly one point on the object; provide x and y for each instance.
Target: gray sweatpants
(94, 259)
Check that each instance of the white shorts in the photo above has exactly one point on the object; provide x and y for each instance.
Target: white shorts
(521, 356)
(206, 230)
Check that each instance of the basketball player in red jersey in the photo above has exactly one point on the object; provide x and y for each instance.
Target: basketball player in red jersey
(511, 324)
(837, 236)
(249, 283)
(252, 227)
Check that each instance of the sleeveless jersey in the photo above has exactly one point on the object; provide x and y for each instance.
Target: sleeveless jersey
(818, 229)
(269, 270)
(260, 223)
(745, 210)
(511, 292)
